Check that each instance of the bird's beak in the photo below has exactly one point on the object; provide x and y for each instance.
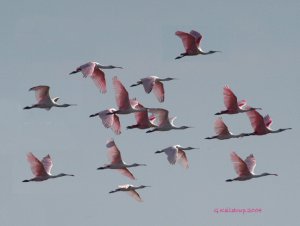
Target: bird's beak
(73, 72)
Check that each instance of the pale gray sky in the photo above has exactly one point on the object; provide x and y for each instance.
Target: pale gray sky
(41, 42)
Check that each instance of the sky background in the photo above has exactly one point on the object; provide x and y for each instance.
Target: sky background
(42, 41)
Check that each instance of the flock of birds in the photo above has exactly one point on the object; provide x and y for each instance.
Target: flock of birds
(152, 119)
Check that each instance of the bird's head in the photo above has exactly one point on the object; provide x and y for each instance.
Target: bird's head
(267, 174)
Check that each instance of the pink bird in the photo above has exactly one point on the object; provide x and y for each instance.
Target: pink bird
(93, 70)
(143, 121)
(164, 122)
(154, 83)
(42, 169)
(43, 99)
(260, 125)
(191, 43)
(245, 169)
(116, 160)
(125, 105)
(222, 131)
(233, 106)
(131, 190)
(176, 154)
(109, 120)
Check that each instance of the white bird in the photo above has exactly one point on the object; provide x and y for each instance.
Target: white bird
(245, 169)
(93, 70)
(191, 43)
(109, 120)
(131, 190)
(43, 99)
(116, 160)
(164, 122)
(42, 169)
(222, 131)
(176, 154)
(154, 83)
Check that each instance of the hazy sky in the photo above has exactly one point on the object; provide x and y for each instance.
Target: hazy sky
(42, 41)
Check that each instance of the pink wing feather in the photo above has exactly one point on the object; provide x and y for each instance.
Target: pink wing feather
(98, 77)
(239, 165)
(230, 100)
(159, 91)
(251, 163)
(220, 127)
(47, 163)
(37, 167)
(122, 98)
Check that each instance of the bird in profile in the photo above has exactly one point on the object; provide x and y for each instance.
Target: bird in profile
(116, 161)
(232, 105)
(42, 169)
(176, 154)
(222, 131)
(131, 190)
(191, 43)
(261, 125)
(154, 83)
(43, 99)
(93, 70)
(143, 121)
(164, 122)
(245, 169)
(109, 120)
(125, 105)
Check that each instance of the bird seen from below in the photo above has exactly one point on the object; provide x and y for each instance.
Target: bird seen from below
(42, 169)
(93, 70)
(191, 43)
(131, 190)
(245, 169)
(116, 161)
(43, 99)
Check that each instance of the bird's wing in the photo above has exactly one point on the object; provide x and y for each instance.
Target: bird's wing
(230, 100)
(220, 127)
(37, 167)
(257, 121)
(251, 163)
(162, 115)
(126, 173)
(171, 152)
(47, 163)
(142, 116)
(188, 41)
(116, 126)
(268, 121)
(98, 77)
(239, 165)
(148, 83)
(242, 103)
(197, 37)
(114, 154)
(159, 91)
(122, 98)
(134, 195)
(181, 157)
(87, 69)
(107, 119)
(41, 93)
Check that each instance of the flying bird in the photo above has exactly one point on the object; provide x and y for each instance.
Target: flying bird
(164, 122)
(109, 120)
(176, 154)
(143, 121)
(232, 105)
(222, 131)
(191, 43)
(261, 125)
(116, 160)
(131, 190)
(42, 169)
(154, 83)
(43, 99)
(93, 70)
(245, 169)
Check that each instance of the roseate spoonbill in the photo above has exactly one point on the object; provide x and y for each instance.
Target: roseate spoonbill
(131, 190)
(260, 125)
(164, 122)
(43, 99)
(109, 120)
(125, 105)
(155, 83)
(93, 70)
(233, 106)
(143, 121)
(117, 162)
(176, 154)
(222, 131)
(191, 43)
(42, 169)
(245, 169)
